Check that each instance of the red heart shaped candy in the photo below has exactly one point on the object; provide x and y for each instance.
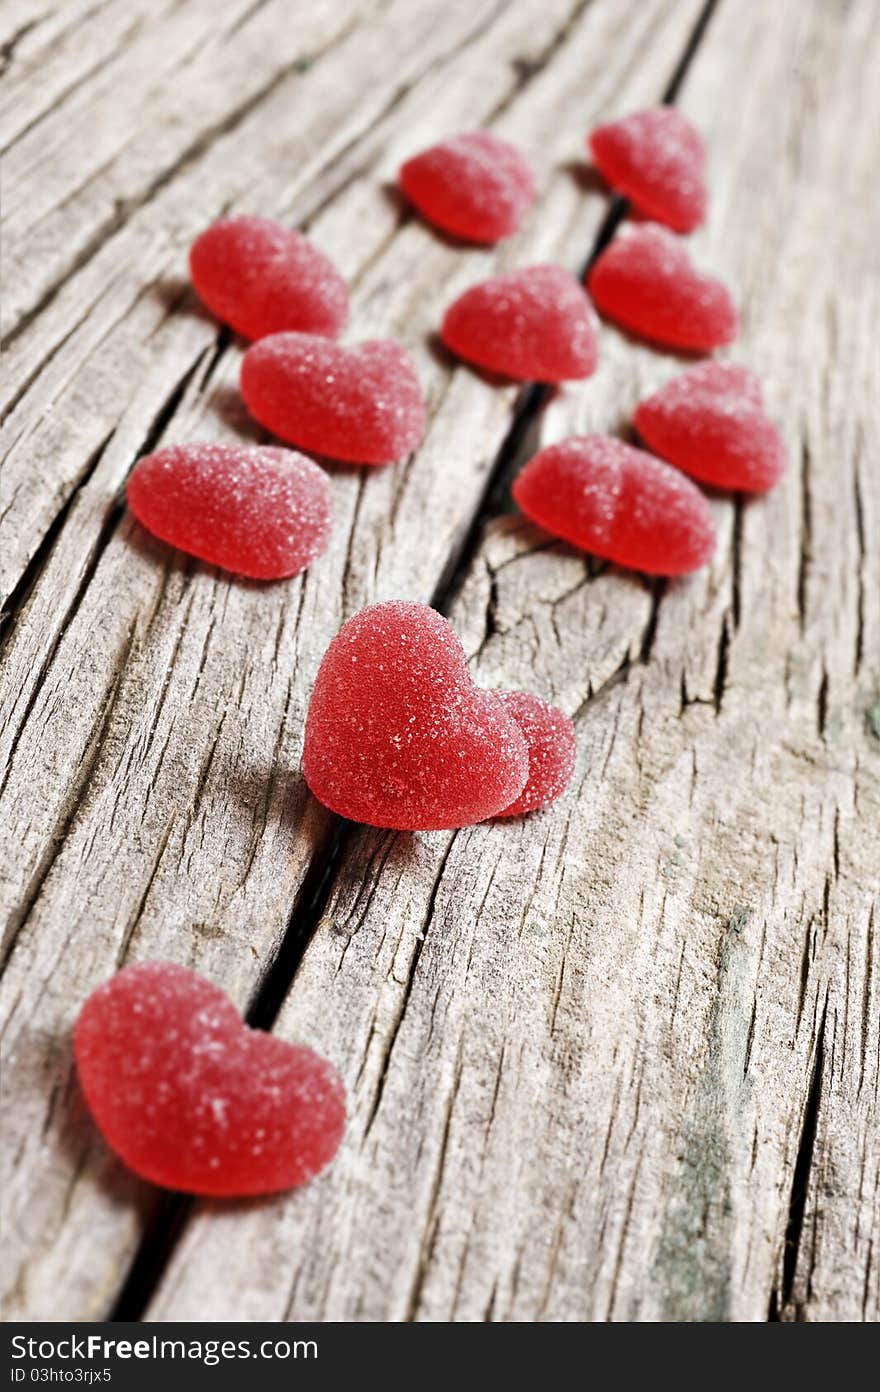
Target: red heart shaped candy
(397, 735)
(192, 1099)
(656, 158)
(711, 422)
(263, 278)
(618, 502)
(550, 737)
(361, 403)
(264, 513)
(646, 281)
(536, 325)
(474, 185)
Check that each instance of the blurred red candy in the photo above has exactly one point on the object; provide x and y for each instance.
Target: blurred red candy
(192, 1099)
(535, 325)
(475, 185)
(618, 502)
(264, 513)
(360, 403)
(656, 158)
(262, 278)
(711, 423)
(646, 281)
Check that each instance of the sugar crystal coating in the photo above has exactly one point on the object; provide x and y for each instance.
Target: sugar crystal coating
(550, 737)
(722, 378)
(360, 403)
(646, 281)
(618, 502)
(475, 185)
(656, 158)
(710, 422)
(397, 735)
(264, 513)
(192, 1099)
(536, 325)
(262, 278)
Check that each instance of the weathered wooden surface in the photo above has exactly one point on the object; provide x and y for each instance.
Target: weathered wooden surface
(619, 1060)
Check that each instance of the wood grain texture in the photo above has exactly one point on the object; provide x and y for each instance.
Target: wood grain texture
(178, 725)
(586, 1053)
(646, 1087)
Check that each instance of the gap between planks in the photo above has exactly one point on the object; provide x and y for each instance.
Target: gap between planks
(169, 1220)
(663, 24)
(756, 1046)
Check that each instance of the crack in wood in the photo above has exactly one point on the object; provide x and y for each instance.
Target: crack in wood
(408, 984)
(123, 209)
(862, 555)
(81, 79)
(721, 666)
(329, 855)
(782, 1303)
(806, 534)
(432, 1223)
(7, 49)
(18, 917)
(161, 1233)
(19, 595)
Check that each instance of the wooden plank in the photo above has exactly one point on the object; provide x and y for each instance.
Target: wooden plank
(106, 144)
(106, 273)
(65, 387)
(646, 1088)
(48, 57)
(171, 798)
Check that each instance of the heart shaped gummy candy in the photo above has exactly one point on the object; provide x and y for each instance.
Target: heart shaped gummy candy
(474, 185)
(192, 1099)
(646, 281)
(263, 278)
(360, 403)
(264, 513)
(711, 422)
(398, 735)
(618, 502)
(536, 325)
(656, 158)
(550, 737)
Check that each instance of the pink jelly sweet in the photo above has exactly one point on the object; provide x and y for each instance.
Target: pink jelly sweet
(550, 737)
(618, 502)
(264, 513)
(646, 281)
(262, 278)
(536, 325)
(711, 422)
(657, 159)
(475, 185)
(361, 403)
(397, 734)
(192, 1099)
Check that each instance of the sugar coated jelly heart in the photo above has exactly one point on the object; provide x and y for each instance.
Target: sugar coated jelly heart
(618, 502)
(262, 278)
(710, 422)
(264, 513)
(536, 325)
(398, 735)
(475, 185)
(192, 1099)
(656, 158)
(646, 281)
(550, 737)
(361, 403)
